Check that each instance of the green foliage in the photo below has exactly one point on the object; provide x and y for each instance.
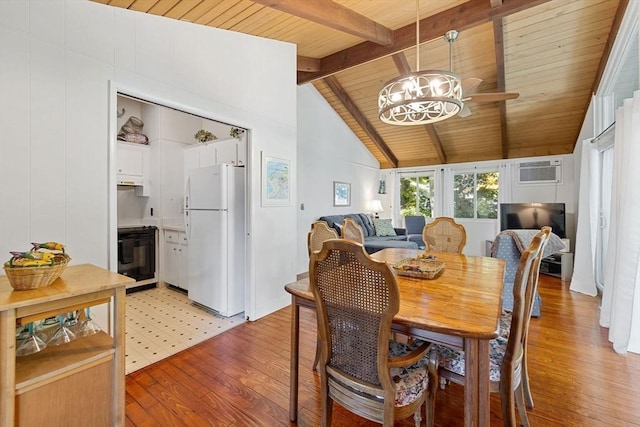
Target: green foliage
(475, 195)
(416, 196)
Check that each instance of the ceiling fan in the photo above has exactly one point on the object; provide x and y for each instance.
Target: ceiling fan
(470, 85)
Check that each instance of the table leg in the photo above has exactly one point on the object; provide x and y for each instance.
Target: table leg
(471, 382)
(293, 369)
(476, 387)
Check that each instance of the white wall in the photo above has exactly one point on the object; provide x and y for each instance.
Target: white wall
(328, 151)
(60, 64)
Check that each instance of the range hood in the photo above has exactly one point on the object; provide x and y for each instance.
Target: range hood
(134, 183)
(130, 181)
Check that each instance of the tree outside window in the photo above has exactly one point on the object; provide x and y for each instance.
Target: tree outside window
(416, 196)
(475, 195)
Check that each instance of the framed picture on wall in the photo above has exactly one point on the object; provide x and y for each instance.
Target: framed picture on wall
(341, 193)
(276, 184)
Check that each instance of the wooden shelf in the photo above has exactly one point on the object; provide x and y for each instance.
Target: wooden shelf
(46, 388)
(56, 361)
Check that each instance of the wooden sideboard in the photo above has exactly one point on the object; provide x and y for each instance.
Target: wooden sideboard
(78, 383)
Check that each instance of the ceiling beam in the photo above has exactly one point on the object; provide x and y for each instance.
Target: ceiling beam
(498, 39)
(403, 67)
(308, 64)
(336, 16)
(359, 117)
(461, 17)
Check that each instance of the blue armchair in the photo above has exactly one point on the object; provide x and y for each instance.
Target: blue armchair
(414, 225)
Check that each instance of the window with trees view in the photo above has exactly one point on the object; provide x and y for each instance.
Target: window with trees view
(416, 195)
(475, 195)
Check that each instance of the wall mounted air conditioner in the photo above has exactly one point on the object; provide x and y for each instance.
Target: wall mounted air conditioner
(540, 172)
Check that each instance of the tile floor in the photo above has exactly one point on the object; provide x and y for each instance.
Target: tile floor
(162, 322)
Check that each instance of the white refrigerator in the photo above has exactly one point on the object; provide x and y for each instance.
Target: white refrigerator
(215, 226)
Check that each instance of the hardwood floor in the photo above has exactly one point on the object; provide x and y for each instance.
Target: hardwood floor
(241, 377)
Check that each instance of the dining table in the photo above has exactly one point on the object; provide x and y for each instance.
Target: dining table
(459, 308)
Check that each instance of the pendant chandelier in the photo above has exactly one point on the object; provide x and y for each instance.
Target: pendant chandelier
(422, 97)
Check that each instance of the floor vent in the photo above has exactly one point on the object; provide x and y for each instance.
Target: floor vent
(540, 172)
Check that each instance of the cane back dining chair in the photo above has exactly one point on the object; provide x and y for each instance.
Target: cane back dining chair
(361, 368)
(352, 231)
(506, 353)
(320, 231)
(443, 234)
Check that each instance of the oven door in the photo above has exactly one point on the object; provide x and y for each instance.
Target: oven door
(136, 255)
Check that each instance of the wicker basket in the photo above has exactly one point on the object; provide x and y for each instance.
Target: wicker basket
(25, 278)
(420, 268)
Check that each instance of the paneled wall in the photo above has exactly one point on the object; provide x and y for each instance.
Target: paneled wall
(60, 62)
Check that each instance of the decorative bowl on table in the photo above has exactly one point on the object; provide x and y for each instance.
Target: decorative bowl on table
(37, 268)
(422, 268)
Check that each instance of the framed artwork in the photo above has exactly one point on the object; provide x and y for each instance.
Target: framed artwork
(276, 181)
(341, 193)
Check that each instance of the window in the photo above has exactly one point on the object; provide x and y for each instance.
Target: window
(416, 195)
(475, 195)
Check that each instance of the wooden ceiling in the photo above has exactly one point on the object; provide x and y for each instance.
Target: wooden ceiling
(551, 52)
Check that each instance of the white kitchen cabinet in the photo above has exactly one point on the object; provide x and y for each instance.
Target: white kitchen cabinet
(227, 152)
(133, 166)
(175, 259)
(131, 159)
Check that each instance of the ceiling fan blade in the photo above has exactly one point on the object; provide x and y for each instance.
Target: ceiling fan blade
(493, 97)
(470, 85)
(465, 112)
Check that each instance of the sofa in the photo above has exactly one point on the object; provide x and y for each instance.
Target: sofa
(373, 242)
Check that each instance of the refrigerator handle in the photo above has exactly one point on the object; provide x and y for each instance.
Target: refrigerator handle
(187, 225)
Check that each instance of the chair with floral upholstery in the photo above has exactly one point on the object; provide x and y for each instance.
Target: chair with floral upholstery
(361, 368)
(444, 235)
(507, 351)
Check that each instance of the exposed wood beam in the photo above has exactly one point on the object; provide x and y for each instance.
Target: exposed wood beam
(336, 16)
(498, 39)
(308, 64)
(403, 66)
(353, 109)
(462, 17)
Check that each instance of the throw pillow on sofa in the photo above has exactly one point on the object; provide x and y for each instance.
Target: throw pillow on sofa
(383, 227)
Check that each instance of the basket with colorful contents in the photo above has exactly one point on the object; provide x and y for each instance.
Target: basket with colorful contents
(422, 268)
(36, 268)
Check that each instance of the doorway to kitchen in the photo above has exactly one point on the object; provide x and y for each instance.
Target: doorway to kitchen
(149, 167)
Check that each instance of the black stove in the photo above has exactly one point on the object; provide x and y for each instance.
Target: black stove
(137, 254)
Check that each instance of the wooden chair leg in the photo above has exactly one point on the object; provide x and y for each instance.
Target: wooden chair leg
(430, 404)
(317, 358)
(528, 398)
(522, 410)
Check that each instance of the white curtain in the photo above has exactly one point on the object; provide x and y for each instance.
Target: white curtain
(583, 279)
(505, 181)
(620, 310)
(446, 208)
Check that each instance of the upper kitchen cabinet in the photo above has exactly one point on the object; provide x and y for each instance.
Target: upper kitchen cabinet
(133, 166)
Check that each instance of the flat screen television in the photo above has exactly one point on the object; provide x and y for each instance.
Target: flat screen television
(518, 216)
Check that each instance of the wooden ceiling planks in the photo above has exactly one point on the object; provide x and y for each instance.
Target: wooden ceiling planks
(552, 57)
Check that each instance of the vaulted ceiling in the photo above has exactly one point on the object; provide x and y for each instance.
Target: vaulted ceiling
(551, 52)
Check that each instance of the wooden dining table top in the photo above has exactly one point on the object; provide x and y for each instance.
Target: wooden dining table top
(464, 300)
